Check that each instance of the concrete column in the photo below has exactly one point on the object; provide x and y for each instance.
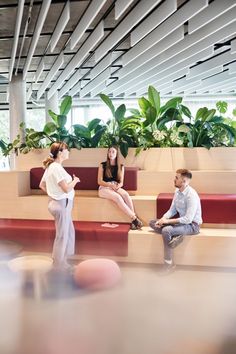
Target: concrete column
(51, 103)
(17, 104)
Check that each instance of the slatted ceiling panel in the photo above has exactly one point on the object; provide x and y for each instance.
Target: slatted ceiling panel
(232, 68)
(147, 37)
(3, 97)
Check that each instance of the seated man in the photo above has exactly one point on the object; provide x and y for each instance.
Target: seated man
(186, 203)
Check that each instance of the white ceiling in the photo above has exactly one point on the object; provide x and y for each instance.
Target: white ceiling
(118, 47)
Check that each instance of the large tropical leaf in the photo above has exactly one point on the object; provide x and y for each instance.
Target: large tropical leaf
(124, 147)
(216, 120)
(97, 137)
(53, 115)
(186, 111)
(50, 127)
(93, 123)
(201, 113)
(135, 112)
(151, 114)
(65, 106)
(222, 106)
(209, 115)
(120, 112)
(61, 120)
(172, 103)
(130, 122)
(82, 131)
(144, 104)
(108, 102)
(154, 98)
(231, 132)
(172, 113)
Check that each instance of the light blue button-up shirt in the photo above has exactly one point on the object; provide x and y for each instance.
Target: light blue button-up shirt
(187, 204)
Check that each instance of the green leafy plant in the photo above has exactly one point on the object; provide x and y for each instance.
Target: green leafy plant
(207, 129)
(26, 140)
(158, 121)
(90, 135)
(120, 130)
(152, 125)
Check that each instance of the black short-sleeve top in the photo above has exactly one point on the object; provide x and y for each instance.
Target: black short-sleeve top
(114, 172)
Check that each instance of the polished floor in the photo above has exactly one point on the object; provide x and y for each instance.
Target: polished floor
(191, 311)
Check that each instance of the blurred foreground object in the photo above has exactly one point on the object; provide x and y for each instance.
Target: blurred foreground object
(97, 274)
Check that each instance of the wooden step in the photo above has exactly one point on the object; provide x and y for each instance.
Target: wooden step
(212, 247)
(90, 208)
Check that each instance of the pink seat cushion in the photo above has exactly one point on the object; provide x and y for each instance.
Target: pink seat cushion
(216, 208)
(97, 274)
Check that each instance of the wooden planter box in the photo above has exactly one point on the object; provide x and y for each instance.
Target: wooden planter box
(153, 159)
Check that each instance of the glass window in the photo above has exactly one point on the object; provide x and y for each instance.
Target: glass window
(35, 118)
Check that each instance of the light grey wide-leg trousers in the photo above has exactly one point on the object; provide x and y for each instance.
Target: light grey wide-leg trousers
(64, 243)
(169, 231)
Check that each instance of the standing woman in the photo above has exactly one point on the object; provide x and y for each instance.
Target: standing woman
(59, 186)
(110, 181)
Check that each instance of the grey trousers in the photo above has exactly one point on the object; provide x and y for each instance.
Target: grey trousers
(169, 231)
(64, 243)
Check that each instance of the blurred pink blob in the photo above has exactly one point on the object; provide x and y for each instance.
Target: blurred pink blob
(97, 274)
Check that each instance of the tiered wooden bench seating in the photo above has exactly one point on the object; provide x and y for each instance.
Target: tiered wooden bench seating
(214, 246)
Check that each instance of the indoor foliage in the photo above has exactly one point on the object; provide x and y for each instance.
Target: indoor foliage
(152, 125)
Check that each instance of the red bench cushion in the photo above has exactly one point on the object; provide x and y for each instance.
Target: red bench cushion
(88, 177)
(91, 237)
(216, 208)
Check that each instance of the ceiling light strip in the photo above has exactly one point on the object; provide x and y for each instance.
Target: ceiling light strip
(86, 20)
(20, 10)
(79, 57)
(53, 71)
(124, 27)
(152, 21)
(61, 24)
(167, 27)
(214, 10)
(40, 22)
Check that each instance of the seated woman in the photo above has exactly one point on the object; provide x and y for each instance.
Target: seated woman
(110, 181)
